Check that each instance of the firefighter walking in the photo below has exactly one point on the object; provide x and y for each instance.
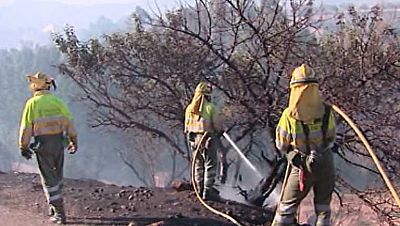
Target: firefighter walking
(306, 134)
(202, 116)
(48, 120)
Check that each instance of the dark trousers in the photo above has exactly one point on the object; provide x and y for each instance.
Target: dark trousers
(50, 157)
(205, 163)
(322, 181)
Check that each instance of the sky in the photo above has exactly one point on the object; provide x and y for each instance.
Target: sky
(32, 20)
(172, 2)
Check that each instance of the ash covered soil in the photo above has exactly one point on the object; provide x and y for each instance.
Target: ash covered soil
(89, 202)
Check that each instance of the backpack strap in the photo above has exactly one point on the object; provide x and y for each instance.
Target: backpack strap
(306, 131)
(325, 124)
(324, 128)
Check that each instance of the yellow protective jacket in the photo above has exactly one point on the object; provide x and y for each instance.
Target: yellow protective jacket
(207, 121)
(45, 114)
(289, 133)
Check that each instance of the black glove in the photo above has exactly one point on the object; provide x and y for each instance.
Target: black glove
(191, 137)
(72, 148)
(26, 153)
(295, 158)
(73, 145)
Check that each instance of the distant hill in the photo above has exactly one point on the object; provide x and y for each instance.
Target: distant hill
(31, 21)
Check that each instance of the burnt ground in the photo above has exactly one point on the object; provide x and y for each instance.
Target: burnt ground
(89, 202)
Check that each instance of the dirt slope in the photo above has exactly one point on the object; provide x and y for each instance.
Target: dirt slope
(8, 216)
(95, 203)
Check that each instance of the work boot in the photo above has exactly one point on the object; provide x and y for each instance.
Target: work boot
(52, 211)
(58, 218)
(211, 194)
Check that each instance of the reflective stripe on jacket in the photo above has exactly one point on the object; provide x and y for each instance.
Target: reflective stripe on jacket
(289, 132)
(45, 114)
(203, 122)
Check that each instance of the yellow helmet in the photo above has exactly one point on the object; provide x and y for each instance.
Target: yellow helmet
(40, 81)
(204, 88)
(303, 74)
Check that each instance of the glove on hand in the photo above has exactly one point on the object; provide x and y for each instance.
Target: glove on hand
(26, 153)
(220, 133)
(73, 146)
(295, 159)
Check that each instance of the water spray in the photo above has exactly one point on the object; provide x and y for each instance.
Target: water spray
(247, 161)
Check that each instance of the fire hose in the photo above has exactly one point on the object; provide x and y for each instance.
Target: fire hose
(371, 152)
(215, 211)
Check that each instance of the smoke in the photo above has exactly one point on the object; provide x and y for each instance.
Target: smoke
(231, 193)
(273, 198)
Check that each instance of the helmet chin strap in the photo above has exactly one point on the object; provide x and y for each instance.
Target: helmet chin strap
(46, 86)
(53, 82)
(208, 97)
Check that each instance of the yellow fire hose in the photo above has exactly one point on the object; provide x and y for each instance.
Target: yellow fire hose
(226, 216)
(371, 152)
(288, 169)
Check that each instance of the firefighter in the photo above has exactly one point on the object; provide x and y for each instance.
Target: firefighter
(306, 134)
(48, 120)
(203, 116)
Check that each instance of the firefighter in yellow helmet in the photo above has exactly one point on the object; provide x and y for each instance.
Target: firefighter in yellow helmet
(203, 116)
(48, 120)
(306, 134)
